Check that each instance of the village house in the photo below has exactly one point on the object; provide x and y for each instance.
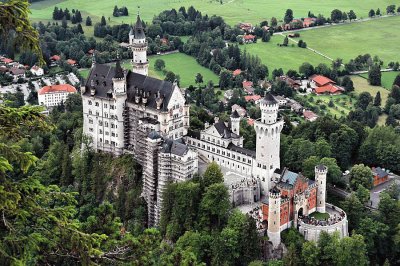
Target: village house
(5, 61)
(71, 62)
(249, 38)
(380, 176)
(295, 106)
(248, 87)
(237, 72)
(292, 83)
(17, 73)
(282, 101)
(252, 98)
(309, 22)
(240, 110)
(37, 71)
(323, 85)
(55, 59)
(247, 27)
(228, 95)
(310, 115)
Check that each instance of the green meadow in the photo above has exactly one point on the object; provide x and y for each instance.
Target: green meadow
(387, 79)
(233, 11)
(379, 37)
(361, 85)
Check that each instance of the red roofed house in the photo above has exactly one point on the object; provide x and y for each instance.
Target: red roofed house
(324, 85)
(248, 87)
(241, 111)
(55, 58)
(252, 98)
(249, 38)
(310, 115)
(308, 22)
(17, 73)
(6, 60)
(71, 62)
(292, 83)
(247, 27)
(55, 94)
(237, 72)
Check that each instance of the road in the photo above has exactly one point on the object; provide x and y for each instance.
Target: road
(375, 192)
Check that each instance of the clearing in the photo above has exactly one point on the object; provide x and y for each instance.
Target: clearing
(387, 78)
(361, 85)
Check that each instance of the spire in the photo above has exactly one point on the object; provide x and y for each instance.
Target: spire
(138, 28)
(119, 72)
(235, 114)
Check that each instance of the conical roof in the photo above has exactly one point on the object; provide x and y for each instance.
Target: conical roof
(269, 99)
(119, 72)
(235, 114)
(138, 29)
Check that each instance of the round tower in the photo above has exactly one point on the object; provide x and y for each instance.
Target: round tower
(138, 44)
(274, 216)
(320, 177)
(268, 130)
(235, 122)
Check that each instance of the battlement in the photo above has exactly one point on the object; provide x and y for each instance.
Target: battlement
(274, 193)
(321, 169)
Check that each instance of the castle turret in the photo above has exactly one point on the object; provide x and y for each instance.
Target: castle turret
(320, 177)
(274, 216)
(138, 44)
(235, 122)
(268, 130)
(119, 79)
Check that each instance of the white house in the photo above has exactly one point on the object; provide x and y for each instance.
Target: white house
(54, 95)
(37, 71)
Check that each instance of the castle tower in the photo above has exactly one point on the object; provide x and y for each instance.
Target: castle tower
(268, 130)
(138, 44)
(116, 116)
(235, 122)
(320, 177)
(274, 216)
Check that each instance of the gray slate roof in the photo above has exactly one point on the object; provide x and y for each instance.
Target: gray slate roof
(235, 114)
(224, 130)
(379, 172)
(138, 29)
(241, 150)
(269, 99)
(174, 147)
(137, 84)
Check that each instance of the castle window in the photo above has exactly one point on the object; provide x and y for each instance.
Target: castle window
(106, 115)
(112, 125)
(112, 134)
(90, 102)
(101, 140)
(90, 129)
(106, 141)
(90, 121)
(100, 122)
(90, 112)
(96, 104)
(100, 131)
(105, 105)
(97, 113)
(106, 124)
(107, 133)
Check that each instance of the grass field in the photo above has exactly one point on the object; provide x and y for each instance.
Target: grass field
(319, 215)
(387, 79)
(343, 104)
(377, 37)
(361, 85)
(183, 65)
(286, 58)
(233, 11)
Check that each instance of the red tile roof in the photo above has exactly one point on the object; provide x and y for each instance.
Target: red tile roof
(55, 57)
(7, 60)
(321, 80)
(237, 72)
(250, 122)
(247, 84)
(254, 98)
(57, 88)
(71, 62)
(249, 37)
(329, 88)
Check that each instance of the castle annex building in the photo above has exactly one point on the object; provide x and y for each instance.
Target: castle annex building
(129, 112)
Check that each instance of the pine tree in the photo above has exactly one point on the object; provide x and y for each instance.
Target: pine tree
(374, 75)
(116, 11)
(88, 21)
(64, 23)
(80, 30)
(371, 13)
(103, 21)
(55, 13)
(378, 100)
(286, 41)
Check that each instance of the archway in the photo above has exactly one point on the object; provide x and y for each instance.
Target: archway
(300, 212)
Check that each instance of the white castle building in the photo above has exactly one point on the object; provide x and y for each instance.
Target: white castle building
(129, 112)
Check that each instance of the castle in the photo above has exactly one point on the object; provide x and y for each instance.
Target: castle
(127, 112)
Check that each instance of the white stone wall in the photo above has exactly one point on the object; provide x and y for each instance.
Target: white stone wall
(53, 98)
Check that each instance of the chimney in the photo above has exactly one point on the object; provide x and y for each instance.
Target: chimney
(216, 119)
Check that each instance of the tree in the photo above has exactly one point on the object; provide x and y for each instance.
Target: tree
(374, 75)
(371, 13)
(212, 175)
(225, 79)
(354, 209)
(378, 12)
(351, 251)
(15, 15)
(344, 16)
(288, 16)
(159, 64)
(266, 36)
(397, 82)
(170, 76)
(310, 253)
(214, 207)
(378, 100)
(347, 83)
(336, 15)
(352, 15)
(286, 41)
(362, 194)
(274, 22)
(307, 69)
(79, 28)
(361, 175)
(364, 99)
(103, 21)
(199, 78)
(390, 9)
(88, 21)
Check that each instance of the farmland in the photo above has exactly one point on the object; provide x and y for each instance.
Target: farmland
(233, 11)
(283, 57)
(375, 37)
(342, 104)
